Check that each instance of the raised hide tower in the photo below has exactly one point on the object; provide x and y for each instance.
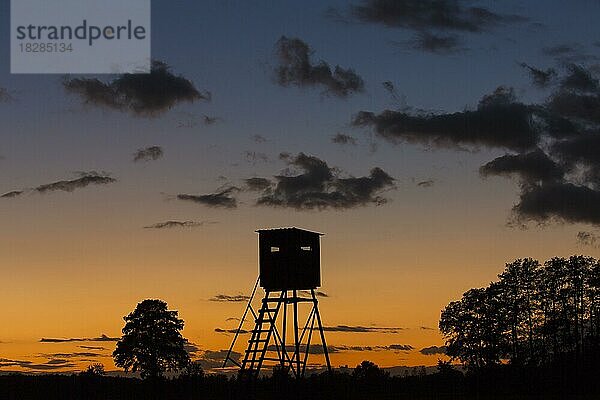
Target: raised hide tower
(289, 258)
(289, 273)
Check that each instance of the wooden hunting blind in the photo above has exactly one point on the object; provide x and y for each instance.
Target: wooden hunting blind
(289, 273)
(289, 258)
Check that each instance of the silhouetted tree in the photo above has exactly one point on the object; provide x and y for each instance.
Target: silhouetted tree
(193, 370)
(96, 369)
(151, 342)
(369, 372)
(475, 327)
(519, 291)
(533, 314)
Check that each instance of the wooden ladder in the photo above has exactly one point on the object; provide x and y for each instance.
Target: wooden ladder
(264, 327)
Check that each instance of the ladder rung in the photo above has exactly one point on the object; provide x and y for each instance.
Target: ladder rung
(277, 359)
(260, 319)
(257, 340)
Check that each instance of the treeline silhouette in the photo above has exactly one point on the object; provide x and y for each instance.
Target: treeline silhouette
(367, 381)
(534, 314)
(532, 334)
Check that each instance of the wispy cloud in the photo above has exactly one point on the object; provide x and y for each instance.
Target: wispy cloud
(12, 194)
(53, 364)
(433, 43)
(233, 331)
(210, 359)
(85, 179)
(255, 157)
(433, 350)
(151, 153)
(179, 224)
(258, 138)
(101, 338)
(222, 198)
(361, 329)
(426, 184)
(225, 298)
(588, 239)
(540, 78)
(341, 138)
(5, 96)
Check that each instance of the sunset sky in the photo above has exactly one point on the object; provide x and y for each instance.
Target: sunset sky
(424, 224)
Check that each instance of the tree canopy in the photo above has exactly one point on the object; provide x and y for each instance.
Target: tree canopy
(152, 342)
(532, 315)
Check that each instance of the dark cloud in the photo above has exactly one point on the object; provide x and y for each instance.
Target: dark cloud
(101, 338)
(532, 168)
(499, 121)
(255, 157)
(317, 186)
(191, 348)
(295, 68)
(400, 347)
(230, 298)
(14, 193)
(447, 15)
(432, 43)
(580, 79)
(568, 53)
(85, 179)
(560, 49)
(307, 293)
(80, 354)
(222, 198)
(259, 138)
(146, 95)
(179, 224)
(234, 331)
(554, 142)
(341, 138)
(588, 239)
(148, 154)
(564, 202)
(580, 106)
(426, 184)
(540, 78)
(391, 89)
(211, 120)
(5, 96)
(427, 328)
(49, 365)
(318, 348)
(315, 348)
(92, 347)
(433, 350)
(581, 153)
(210, 359)
(361, 329)
(258, 184)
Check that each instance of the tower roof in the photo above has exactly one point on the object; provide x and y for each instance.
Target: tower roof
(288, 229)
